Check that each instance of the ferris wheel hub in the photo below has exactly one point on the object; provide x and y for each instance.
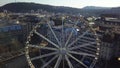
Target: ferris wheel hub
(63, 51)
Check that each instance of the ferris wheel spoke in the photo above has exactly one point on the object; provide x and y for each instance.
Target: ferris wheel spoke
(80, 62)
(70, 34)
(58, 61)
(45, 55)
(50, 61)
(83, 40)
(91, 34)
(78, 38)
(53, 33)
(68, 61)
(69, 37)
(93, 64)
(81, 53)
(88, 48)
(42, 47)
(46, 39)
(45, 63)
(87, 51)
(89, 38)
(83, 45)
(83, 57)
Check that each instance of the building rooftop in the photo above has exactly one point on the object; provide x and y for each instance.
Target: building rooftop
(113, 20)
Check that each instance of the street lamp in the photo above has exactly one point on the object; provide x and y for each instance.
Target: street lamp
(118, 58)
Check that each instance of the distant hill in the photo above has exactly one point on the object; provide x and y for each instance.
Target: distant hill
(87, 11)
(27, 7)
(95, 7)
(102, 10)
(115, 10)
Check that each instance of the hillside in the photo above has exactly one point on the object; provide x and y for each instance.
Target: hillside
(87, 11)
(114, 11)
(95, 7)
(27, 7)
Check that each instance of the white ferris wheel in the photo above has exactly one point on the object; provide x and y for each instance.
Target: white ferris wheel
(73, 44)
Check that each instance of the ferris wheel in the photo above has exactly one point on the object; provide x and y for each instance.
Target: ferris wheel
(73, 44)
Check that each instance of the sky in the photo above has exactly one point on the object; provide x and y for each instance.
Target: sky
(70, 3)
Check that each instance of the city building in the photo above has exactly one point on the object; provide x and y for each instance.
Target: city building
(109, 29)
